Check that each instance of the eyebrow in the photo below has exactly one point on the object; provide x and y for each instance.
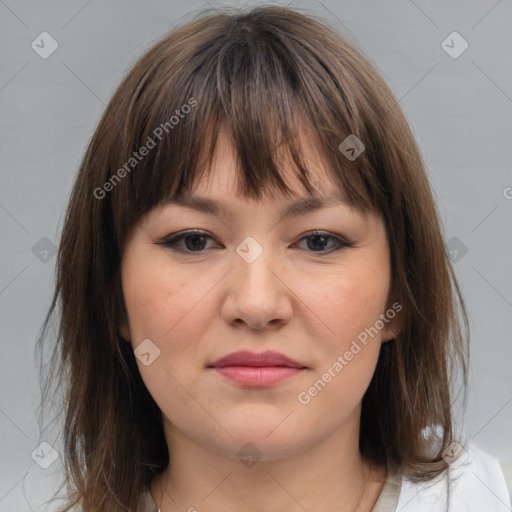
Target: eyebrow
(294, 209)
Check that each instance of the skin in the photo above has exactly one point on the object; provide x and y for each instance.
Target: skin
(306, 300)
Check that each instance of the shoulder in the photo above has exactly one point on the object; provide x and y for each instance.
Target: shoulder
(472, 483)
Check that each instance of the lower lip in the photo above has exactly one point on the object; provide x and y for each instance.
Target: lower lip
(258, 376)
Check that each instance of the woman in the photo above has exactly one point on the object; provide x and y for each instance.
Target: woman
(257, 311)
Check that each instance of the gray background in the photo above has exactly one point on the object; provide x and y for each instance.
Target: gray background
(459, 109)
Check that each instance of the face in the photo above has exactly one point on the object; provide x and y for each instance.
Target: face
(253, 279)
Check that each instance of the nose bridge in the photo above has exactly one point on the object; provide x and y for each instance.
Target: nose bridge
(254, 261)
(257, 294)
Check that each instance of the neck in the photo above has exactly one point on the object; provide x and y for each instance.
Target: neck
(329, 477)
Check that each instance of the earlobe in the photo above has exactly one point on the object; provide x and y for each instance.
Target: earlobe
(394, 326)
(124, 331)
(390, 335)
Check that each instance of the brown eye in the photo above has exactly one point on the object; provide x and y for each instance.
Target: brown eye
(193, 242)
(319, 242)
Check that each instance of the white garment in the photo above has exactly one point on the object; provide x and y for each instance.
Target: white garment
(477, 485)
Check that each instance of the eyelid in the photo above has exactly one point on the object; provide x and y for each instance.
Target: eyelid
(179, 235)
(320, 232)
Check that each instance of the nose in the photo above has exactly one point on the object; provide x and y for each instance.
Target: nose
(257, 293)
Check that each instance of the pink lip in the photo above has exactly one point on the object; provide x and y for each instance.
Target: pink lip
(247, 358)
(258, 370)
(259, 376)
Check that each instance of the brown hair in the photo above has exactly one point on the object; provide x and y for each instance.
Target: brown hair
(259, 73)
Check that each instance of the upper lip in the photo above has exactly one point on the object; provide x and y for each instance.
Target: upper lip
(247, 358)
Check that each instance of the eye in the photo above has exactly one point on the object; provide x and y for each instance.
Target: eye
(195, 241)
(318, 240)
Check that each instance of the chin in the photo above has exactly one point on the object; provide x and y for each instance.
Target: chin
(250, 450)
(270, 440)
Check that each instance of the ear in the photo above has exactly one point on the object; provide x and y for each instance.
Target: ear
(124, 331)
(393, 322)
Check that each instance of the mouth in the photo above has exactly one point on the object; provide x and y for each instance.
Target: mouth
(257, 370)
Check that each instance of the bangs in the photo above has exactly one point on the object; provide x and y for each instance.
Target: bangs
(265, 89)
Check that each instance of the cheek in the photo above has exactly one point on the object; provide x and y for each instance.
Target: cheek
(348, 302)
(160, 304)
(172, 311)
(348, 343)
(342, 373)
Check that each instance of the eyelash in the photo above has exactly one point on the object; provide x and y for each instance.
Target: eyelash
(172, 241)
